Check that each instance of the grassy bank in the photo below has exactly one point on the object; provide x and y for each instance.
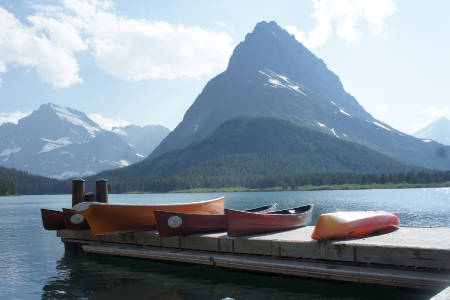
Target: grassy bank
(319, 187)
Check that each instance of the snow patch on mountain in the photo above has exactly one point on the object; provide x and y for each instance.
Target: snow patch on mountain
(72, 174)
(321, 124)
(6, 153)
(119, 131)
(427, 141)
(65, 114)
(281, 81)
(54, 144)
(116, 164)
(334, 132)
(66, 174)
(344, 112)
(382, 126)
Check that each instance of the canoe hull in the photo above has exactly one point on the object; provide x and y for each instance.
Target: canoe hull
(67, 214)
(116, 218)
(52, 219)
(173, 223)
(354, 224)
(240, 223)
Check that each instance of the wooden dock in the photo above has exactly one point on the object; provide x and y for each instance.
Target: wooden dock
(409, 257)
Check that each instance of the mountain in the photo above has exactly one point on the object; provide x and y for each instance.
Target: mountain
(438, 131)
(271, 74)
(244, 148)
(61, 142)
(143, 139)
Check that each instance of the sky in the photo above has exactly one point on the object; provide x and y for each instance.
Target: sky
(145, 62)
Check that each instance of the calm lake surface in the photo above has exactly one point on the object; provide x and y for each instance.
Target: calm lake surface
(33, 264)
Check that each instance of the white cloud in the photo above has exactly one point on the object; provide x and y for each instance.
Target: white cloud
(108, 123)
(437, 111)
(345, 17)
(137, 49)
(127, 48)
(12, 117)
(43, 46)
(381, 108)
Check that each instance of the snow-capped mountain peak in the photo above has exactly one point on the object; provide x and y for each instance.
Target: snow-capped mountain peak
(76, 118)
(62, 142)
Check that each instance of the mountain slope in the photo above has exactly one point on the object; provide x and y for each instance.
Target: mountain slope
(438, 131)
(247, 147)
(272, 74)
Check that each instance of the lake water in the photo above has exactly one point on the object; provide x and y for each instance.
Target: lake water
(33, 264)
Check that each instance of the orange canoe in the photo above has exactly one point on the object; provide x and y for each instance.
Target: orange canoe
(354, 224)
(106, 218)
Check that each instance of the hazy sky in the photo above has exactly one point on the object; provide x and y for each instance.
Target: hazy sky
(144, 62)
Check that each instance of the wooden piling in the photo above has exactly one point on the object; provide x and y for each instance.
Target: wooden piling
(78, 187)
(101, 189)
(90, 197)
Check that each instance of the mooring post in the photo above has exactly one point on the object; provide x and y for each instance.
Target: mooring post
(101, 189)
(78, 186)
(89, 197)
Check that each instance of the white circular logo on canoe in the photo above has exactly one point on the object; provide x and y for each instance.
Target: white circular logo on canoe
(174, 222)
(76, 219)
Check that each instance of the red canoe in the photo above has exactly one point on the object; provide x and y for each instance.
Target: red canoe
(241, 223)
(73, 220)
(174, 223)
(354, 224)
(52, 219)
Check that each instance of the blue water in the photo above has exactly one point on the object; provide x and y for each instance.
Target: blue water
(33, 264)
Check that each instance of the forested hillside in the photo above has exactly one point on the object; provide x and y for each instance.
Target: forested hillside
(7, 188)
(28, 184)
(244, 149)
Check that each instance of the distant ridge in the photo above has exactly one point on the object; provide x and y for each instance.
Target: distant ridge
(143, 139)
(438, 131)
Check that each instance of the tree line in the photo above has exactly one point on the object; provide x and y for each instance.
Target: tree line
(287, 181)
(18, 182)
(295, 180)
(28, 184)
(7, 188)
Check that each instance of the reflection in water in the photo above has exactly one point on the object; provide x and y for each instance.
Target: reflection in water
(90, 276)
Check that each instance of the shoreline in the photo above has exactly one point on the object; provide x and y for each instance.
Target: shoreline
(310, 188)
